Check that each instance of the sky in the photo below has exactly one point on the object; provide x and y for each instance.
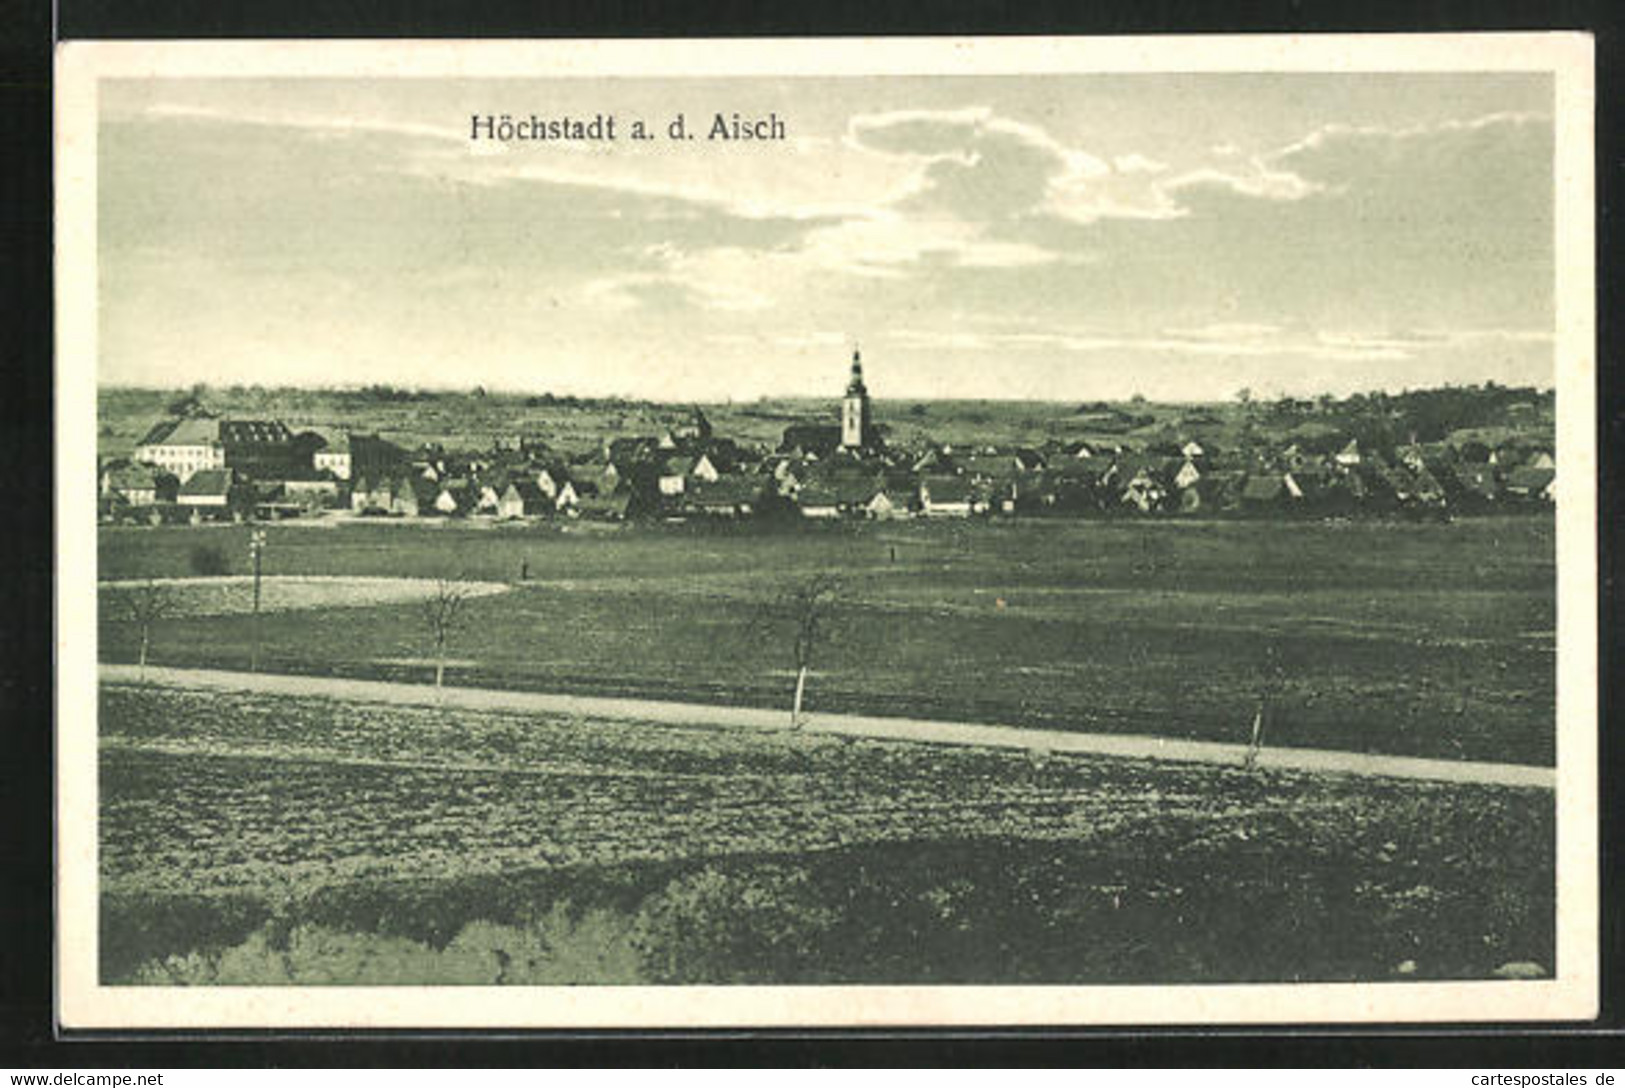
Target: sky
(1066, 237)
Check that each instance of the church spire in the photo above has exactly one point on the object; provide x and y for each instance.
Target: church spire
(854, 386)
(856, 429)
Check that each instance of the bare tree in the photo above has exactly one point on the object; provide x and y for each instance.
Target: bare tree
(442, 614)
(144, 605)
(805, 609)
(1272, 679)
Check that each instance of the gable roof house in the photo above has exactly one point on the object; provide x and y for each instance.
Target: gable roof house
(138, 484)
(456, 497)
(948, 496)
(611, 505)
(728, 496)
(183, 446)
(818, 500)
(212, 492)
(1187, 475)
(1532, 483)
(1264, 490)
(371, 494)
(888, 503)
(550, 478)
(523, 498)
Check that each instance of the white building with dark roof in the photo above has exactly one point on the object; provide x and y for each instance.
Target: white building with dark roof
(183, 447)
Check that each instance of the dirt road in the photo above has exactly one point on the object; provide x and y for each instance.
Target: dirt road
(856, 725)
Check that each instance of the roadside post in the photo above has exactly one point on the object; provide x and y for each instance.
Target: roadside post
(256, 549)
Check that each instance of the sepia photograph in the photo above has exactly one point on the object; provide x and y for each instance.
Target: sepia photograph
(826, 532)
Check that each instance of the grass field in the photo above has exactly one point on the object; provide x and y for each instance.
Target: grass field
(1433, 640)
(254, 839)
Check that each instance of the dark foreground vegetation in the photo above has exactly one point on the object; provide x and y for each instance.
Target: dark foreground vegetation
(253, 839)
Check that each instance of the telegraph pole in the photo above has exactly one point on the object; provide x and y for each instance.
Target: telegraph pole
(256, 549)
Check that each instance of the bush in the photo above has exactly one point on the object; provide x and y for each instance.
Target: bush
(762, 925)
(207, 560)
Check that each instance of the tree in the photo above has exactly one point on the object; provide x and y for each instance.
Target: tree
(1272, 679)
(442, 614)
(804, 609)
(144, 605)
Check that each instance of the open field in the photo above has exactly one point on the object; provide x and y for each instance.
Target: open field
(247, 838)
(1407, 639)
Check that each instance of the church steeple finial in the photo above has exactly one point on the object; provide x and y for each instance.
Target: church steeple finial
(854, 387)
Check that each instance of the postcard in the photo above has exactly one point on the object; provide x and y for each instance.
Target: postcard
(826, 532)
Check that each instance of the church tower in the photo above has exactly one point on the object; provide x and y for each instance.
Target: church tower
(855, 424)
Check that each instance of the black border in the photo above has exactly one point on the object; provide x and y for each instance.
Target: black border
(27, 1034)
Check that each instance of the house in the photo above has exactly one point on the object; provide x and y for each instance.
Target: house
(1309, 482)
(333, 455)
(629, 450)
(818, 439)
(615, 505)
(182, 447)
(1264, 490)
(488, 494)
(1531, 483)
(260, 447)
(1192, 451)
(348, 455)
(818, 500)
(1349, 455)
(1028, 460)
(523, 498)
(1475, 482)
(705, 469)
(1542, 460)
(211, 493)
(1143, 491)
(947, 496)
(888, 503)
(411, 495)
(729, 496)
(1215, 491)
(550, 478)
(674, 475)
(138, 484)
(695, 429)
(567, 498)
(375, 494)
(311, 491)
(1187, 475)
(455, 497)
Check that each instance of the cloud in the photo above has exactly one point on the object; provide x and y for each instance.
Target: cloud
(976, 165)
(1135, 163)
(1258, 182)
